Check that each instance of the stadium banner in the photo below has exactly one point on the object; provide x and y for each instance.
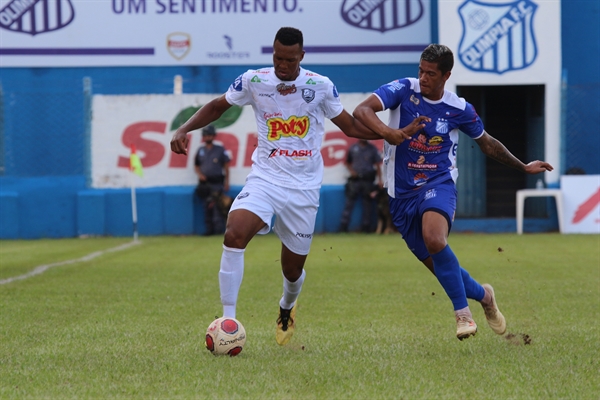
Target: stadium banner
(508, 42)
(55, 33)
(148, 123)
(581, 208)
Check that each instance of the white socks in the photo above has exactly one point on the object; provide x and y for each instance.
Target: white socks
(291, 291)
(230, 278)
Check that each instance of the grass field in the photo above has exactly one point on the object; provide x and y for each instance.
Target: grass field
(373, 323)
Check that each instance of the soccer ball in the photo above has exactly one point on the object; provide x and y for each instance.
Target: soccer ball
(225, 336)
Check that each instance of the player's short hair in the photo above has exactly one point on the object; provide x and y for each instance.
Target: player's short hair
(439, 54)
(288, 36)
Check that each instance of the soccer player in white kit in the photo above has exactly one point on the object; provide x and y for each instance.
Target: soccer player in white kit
(290, 105)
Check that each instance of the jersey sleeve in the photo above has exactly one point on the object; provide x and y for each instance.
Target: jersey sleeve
(394, 93)
(470, 122)
(238, 93)
(332, 105)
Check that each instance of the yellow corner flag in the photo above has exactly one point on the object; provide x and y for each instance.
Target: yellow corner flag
(135, 164)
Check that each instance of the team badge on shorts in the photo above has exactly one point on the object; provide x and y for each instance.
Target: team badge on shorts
(497, 37)
(382, 15)
(21, 16)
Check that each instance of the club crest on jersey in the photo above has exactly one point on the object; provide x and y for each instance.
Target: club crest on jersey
(441, 126)
(497, 37)
(414, 99)
(308, 95)
(35, 16)
(381, 15)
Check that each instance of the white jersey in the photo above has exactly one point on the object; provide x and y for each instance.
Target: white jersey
(290, 120)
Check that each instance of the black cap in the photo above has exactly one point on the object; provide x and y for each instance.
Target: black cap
(209, 130)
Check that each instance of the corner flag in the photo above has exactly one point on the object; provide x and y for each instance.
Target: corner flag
(135, 164)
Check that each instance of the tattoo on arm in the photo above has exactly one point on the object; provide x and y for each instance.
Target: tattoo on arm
(494, 149)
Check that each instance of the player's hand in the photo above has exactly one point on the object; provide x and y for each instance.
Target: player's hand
(179, 142)
(416, 125)
(535, 167)
(396, 136)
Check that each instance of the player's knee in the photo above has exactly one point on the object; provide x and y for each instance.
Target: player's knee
(434, 243)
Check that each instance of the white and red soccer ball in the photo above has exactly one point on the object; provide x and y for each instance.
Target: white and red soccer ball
(225, 336)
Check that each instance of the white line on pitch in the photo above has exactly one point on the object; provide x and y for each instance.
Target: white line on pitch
(91, 256)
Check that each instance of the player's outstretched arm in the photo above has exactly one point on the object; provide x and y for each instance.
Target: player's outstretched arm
(204, 116)
(353, 128)
(493, 148)
(366, 113)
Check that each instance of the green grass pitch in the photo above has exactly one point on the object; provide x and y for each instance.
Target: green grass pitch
(372, 322)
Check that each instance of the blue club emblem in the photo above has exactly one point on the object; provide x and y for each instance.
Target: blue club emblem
(35, 16)
(497, 37)
(382, 15)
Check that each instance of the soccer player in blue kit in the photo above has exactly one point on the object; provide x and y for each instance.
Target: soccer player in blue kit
(420, 174)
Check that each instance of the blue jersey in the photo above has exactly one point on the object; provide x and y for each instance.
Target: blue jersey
(430, 156)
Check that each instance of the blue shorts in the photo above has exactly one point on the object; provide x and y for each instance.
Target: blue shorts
(407, 213)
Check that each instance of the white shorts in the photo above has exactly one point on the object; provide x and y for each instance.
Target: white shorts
(295, 211)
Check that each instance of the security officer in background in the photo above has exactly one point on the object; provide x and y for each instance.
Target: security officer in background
(364, 163)
(212, 167)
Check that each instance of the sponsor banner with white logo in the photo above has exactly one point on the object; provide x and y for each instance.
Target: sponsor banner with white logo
(42, 33)
(508, 42)
(581, 198)
(148, 123)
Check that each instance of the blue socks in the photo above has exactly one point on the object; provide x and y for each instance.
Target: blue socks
(455, 280)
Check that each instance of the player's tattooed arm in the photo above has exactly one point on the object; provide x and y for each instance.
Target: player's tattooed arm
(494, 149)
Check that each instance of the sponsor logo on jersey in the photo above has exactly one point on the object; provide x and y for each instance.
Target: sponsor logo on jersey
(179, 44)
(256, 79)
(434, 141)
(335, 92)
(243, 195)
(290, 153)
(292, 127)
(420, 145)
(268, 116)
(497, 37)
(237, 84)
(308, 95)
(421, 164)
(21, 15)
(420, 179)
(284, 89)
(382, 15)
(441, 125)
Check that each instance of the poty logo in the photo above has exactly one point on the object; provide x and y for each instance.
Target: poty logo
(497, 37)
(291, 127)
(35, 16)
(382, 15)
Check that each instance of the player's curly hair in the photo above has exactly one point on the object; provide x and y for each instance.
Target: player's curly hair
(288, 36)
(439, 54)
